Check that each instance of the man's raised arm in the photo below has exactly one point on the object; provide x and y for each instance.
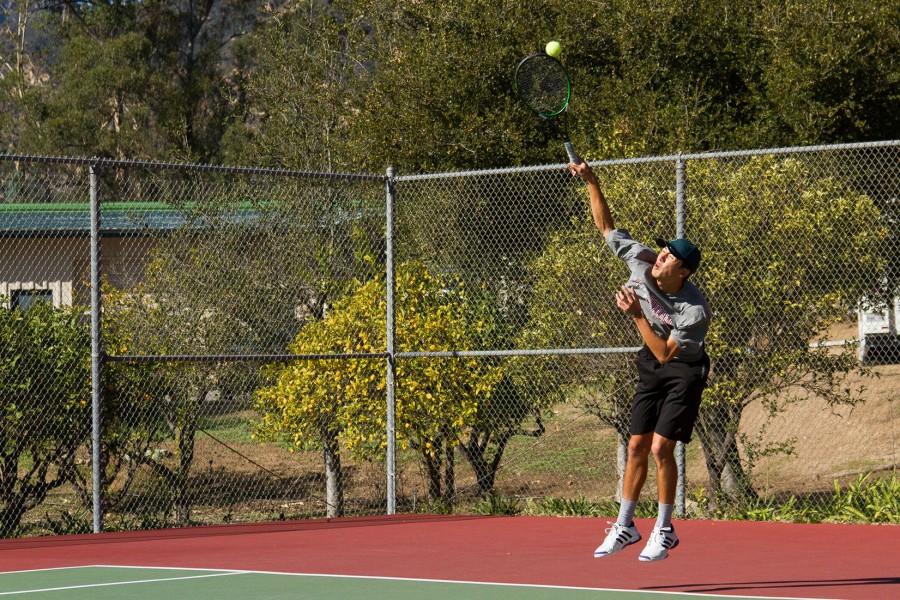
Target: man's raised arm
(599, 208)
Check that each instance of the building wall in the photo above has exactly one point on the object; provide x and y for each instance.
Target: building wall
(62, 265)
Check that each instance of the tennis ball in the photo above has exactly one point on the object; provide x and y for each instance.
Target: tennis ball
(553, 49)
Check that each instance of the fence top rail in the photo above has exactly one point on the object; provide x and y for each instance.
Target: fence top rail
(277, 172)
(190, 167)
(655, 159)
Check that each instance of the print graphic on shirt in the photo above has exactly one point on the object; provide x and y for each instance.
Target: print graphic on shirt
(659, 311)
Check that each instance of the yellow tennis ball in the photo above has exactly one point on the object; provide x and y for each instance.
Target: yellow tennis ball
(553, 49)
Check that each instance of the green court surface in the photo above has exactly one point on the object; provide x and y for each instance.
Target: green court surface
(145, 583)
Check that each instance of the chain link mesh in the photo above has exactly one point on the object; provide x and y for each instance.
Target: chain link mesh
(802, 272)
(238, 267)
(244, 321)
(799, 267)
(45, 347)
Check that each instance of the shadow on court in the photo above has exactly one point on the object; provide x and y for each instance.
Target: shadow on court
(798, 583)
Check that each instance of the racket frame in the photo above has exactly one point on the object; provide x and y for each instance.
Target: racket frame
(545, 115)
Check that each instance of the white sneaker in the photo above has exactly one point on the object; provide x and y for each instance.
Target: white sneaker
(617, 537)
(662, 539)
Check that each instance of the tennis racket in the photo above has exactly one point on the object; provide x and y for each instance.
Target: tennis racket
(543, 84)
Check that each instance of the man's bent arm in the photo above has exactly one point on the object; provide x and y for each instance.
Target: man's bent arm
(663, 350)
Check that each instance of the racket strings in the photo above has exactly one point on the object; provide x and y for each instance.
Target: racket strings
(543, 85)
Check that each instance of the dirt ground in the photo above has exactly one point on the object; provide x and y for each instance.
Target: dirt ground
(832, 442)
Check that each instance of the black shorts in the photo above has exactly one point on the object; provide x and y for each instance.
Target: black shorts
(667, 398)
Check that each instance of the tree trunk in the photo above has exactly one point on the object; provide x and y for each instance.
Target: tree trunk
(736, 482)
(433, 469)
(727, 478)
(449, 475)
(474, 451)
(11, 515)
(621, 462)
(334, 476)
(713, 468)
(15, 503)
(184, 438)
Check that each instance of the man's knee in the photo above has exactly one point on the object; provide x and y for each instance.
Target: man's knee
(639, 446)
(663, 449)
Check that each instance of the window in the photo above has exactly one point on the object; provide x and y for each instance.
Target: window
(24, 299)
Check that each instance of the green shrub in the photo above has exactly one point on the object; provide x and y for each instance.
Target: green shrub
(498, 504)
(865, 500)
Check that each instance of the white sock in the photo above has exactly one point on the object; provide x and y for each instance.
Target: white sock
(665, 515)
(626, 512)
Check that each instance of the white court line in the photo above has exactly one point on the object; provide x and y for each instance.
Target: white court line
(96, 585)
(46, 569)
(493, 583)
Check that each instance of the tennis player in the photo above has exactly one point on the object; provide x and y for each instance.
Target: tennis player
(672, 317)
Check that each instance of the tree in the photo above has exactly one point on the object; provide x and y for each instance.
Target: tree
(368, 83)
(93, 99)
(151, 416)
(683, 75)
(196, 49)
(309, 68)
(788, 251)
(23, 74)
(265, 257)
(575, 279)
(324, 403)
(237, 266)
(92, 93)
(46, 420)
(829, 72)
(136, 416)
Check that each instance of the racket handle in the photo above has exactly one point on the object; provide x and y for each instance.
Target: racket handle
(570, 150)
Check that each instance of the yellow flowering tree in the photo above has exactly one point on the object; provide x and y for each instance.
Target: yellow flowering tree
(334, 404)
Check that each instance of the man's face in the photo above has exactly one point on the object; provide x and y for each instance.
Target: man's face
(667, 265)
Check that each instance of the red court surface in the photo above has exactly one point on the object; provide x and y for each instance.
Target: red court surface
(715, 557)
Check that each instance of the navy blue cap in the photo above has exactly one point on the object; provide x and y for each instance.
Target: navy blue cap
(684, 250)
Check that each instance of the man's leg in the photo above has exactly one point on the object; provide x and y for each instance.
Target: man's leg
(635, 476)
(623, 532)
(684, 385)
(644, 414)
(666, 477)
(667, 470)
(663, 537)
(639, 447)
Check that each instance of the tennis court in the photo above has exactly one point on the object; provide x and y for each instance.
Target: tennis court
(443, 557)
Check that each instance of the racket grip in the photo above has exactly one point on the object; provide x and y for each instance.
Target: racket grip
(570, 150)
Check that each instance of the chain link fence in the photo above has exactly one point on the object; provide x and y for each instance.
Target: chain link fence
(271, 344)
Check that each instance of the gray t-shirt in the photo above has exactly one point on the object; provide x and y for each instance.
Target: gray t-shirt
(683, 316)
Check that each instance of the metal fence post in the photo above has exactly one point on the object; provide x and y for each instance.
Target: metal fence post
(680, 215)
(96, 356)
(389, 337)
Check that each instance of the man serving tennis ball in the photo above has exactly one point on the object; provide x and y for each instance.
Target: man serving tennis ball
(672, 317)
